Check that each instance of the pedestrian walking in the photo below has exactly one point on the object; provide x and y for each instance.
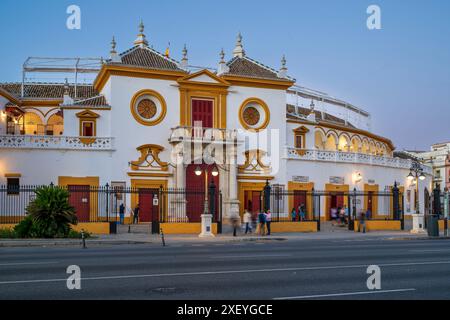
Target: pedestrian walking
(136, 214)
(235, 222)
(248, 222)
(302, 212)
(121, 213)
(262, 223)
(362, 222)
(268, 221)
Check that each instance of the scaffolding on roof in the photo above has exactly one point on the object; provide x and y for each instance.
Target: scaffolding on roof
(73, 66)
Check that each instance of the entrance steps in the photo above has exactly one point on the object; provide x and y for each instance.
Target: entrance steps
(135, 228)
(329, 226)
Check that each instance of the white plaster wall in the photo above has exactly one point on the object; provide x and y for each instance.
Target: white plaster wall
(274, 137)
(128, 133)
(44, 166)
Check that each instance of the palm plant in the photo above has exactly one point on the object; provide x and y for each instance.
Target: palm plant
(51, 212)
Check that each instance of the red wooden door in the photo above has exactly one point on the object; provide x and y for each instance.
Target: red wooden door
(146, 209)
(195, 191)
(79, 198)
(202, 111)
(256, 202)
(299, 199)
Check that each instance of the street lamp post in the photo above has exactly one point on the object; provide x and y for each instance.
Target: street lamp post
(416, 173)
(206, 216)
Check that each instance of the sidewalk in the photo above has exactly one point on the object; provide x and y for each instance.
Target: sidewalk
(144, 238)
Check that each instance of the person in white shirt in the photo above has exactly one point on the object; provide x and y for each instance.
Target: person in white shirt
(248, 222)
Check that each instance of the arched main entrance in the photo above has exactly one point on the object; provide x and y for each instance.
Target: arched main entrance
(195, 190)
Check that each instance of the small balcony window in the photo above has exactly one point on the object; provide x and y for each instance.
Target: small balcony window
(12, 186)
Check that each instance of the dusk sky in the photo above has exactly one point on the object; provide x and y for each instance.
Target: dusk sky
(400, 74)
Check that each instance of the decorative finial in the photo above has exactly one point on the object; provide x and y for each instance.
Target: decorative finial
(222, 56)
(239, 49)
(283, 71)
(113, 45)
(67, 100)
(223, 68)
(113, 54)
(184, 59)
(140, 40)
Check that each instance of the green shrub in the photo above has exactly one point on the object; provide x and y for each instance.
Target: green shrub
(7, 234)
(77, 235)
(48, 216)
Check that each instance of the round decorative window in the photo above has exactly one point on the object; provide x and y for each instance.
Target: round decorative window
(254, 114)
(148, 107)
(251, 116)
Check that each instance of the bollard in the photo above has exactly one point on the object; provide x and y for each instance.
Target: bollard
(445, 227)
(162, 237)
(129, 228)
(83, 239)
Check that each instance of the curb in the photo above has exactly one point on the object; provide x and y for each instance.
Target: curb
(40, 243)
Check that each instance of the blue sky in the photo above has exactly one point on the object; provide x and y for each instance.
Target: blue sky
(400, 74)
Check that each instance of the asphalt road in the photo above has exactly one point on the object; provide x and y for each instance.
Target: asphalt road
(307, 269)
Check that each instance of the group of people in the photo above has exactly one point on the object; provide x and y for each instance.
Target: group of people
(264, 219)
(300, 214)
(122, 214)
(340, 214)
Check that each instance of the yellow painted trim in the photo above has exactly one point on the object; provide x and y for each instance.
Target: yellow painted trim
(379, 225)
(134, 72)
(258, 83)
(244, 177)
(281, 227)
(13, 175)
(149, 174)
(161, 100)
(347, 129)
(188, 79)
(247, 186)
(146, 184)
(85, 108)
(92, 227)
(8, 226)
(65, 181)
(344, 188)
(371, 188)
(299, 186)
(266, 111)
(185, 228)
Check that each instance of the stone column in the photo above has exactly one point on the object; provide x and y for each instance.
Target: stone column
(233, 196)
(177, 212)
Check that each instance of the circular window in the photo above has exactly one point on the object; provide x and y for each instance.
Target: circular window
(251, 116)
(254, 114)
(148, 107)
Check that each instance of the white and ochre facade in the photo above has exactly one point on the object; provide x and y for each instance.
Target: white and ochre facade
(140, 117)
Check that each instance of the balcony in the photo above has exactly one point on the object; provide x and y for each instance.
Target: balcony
(349, 157)
(55, 142)
(203, 135)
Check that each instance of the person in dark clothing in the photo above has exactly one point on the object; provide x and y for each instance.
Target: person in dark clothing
(121, 213)
(136, 214)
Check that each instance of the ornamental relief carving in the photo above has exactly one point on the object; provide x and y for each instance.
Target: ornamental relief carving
(149, 159)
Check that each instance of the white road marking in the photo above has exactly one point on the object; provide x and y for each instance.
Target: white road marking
(344, 294)
(26, 263)
(243, 256)
(207, 273)
(430, 250)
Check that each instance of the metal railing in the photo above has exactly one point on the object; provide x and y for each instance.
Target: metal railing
(349, 157)
(109, 204)
(56, 142)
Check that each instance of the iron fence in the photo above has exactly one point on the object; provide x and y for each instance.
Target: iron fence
(342, 207)
(110, 204)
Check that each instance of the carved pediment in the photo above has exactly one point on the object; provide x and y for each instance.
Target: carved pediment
(254, 163)
(149, 159)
